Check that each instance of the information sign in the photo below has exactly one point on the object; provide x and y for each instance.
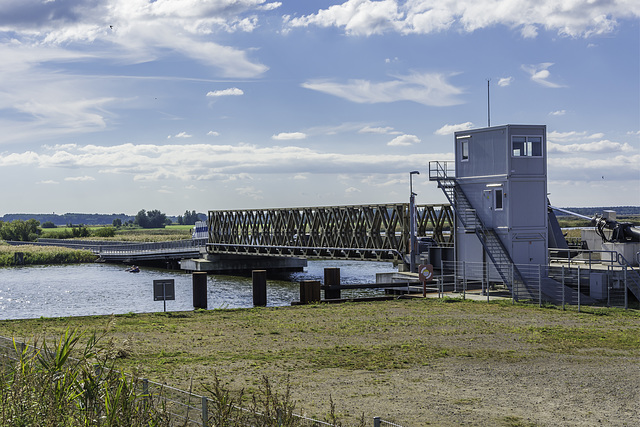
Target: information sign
(164, 290)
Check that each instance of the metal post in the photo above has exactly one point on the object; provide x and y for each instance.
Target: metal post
(578, 289)
(563, 288)
(626, 302)
(513, 284)
(205, 412)
(464, 280)
(376, 421)
(145, 394)
(488, 280)
(539, 285)
(412, 223)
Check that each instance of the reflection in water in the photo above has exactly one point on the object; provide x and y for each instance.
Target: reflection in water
(97, 289)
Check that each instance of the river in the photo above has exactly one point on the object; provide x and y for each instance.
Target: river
(99, 289)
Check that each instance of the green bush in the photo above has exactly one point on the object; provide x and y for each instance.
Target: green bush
(105, 232)
(47, 387)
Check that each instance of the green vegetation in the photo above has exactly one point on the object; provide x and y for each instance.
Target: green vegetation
(68, 385)
(42, 255)
(19, 230)
(47, 387)
(319, 344)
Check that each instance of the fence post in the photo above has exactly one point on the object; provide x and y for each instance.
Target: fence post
(563, 288)
(514, 296)
(145, 394)
(205, 412)
(578, 288)
(626, 302)
(464, 281)
(376, 421)
(539, 285)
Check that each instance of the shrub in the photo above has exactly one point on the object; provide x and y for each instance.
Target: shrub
(105, 232)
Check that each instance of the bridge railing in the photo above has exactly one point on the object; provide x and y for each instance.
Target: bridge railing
(356, 231)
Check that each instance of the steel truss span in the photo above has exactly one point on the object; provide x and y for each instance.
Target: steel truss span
(373, 232)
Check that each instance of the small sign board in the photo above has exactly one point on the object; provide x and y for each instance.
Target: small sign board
(164, 290)
(426, 272)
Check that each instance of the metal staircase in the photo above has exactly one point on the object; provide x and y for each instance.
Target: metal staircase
(490, 241)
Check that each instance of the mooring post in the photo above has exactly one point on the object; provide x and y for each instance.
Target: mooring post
(259, 288)
(199, 279)
(376, 421)
(331, 279)
(309, 291)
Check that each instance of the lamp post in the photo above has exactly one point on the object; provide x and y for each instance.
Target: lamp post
(412, 224)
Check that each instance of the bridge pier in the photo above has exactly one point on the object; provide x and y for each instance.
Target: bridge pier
(239, 264)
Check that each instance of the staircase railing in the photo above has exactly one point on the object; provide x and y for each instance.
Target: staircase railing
(441, 172)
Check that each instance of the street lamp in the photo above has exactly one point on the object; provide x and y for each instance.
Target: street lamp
(412, 224)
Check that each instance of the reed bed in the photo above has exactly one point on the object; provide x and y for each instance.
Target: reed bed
(43, 255)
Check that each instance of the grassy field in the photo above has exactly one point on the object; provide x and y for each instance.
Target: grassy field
(415, 362)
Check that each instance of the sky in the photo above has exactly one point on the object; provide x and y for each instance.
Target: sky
(113, 106)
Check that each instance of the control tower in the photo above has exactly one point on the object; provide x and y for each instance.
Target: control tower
(499, 194)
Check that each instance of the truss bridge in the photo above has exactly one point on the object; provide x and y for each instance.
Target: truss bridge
(370, 232)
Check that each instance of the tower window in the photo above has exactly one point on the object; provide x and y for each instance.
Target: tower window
(526, 146)
(498, 199)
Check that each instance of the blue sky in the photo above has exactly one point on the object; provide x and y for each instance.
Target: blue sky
(110, 106)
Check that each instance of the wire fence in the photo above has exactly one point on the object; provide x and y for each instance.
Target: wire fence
(577, 284)
(185, 408)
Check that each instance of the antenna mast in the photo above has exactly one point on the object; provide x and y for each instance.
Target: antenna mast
(488, 105)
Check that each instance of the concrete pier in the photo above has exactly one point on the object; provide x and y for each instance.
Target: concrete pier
(224, 263)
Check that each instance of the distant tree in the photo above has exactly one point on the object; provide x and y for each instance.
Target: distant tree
(117, 222)
(189, 218)
(24, 231)
(151, 219)
(142, 220)
(48, 224)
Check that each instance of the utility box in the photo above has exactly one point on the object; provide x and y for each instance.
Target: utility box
(502, 171)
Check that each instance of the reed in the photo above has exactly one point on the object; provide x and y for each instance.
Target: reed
(44, 255)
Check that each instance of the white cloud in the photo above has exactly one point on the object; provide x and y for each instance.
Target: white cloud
(213, 133)
(48, 182)
(194, 162)
(431, 89)
(579, 18)
(180, 135)
(80, 178)
(556, 136)
(352, 190)
(558, 113)
(596, 147)
(250, 192)
(403, 140)
(387, 130)
(540, 74)
(450, 129)
(233, 91)
(505, 81)
(286, 136)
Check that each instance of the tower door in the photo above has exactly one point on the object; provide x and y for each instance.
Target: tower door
(487, 205)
